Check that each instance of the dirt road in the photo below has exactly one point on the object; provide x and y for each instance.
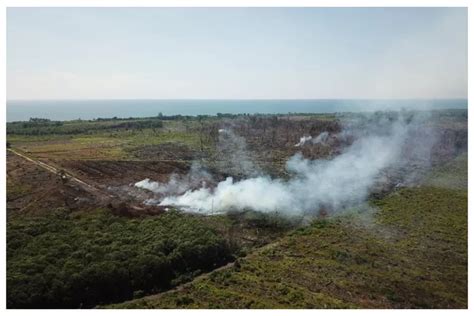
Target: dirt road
(90, 188)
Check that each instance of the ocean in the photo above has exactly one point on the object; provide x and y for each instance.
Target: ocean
(91, 109)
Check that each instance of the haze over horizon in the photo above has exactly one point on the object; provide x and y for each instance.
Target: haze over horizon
(236, 53)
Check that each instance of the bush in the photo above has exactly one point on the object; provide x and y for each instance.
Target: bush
(46, 127)
(71, 261)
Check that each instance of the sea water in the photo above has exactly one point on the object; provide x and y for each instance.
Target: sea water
(91, 109)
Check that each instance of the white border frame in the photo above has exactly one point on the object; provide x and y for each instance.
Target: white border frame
(214, 3)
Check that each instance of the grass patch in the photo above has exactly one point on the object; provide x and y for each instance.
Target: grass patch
(452, 175)
(101, 145)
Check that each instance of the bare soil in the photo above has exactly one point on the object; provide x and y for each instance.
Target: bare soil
(32, 189)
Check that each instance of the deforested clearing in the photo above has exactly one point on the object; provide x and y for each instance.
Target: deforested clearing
(348, 210)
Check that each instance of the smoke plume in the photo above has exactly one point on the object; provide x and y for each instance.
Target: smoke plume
(314, 184)
(237, 158)
(178, 184)
(303, 140)
(322, 138)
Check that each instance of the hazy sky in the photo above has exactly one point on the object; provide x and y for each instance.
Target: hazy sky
(95, 53)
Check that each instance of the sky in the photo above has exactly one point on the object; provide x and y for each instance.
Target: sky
(236, 53)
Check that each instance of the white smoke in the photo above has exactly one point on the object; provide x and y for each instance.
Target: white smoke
(329, 184)
(322, 138)
(178, 184)
(149, 185)
(234, 157)
(303, 140)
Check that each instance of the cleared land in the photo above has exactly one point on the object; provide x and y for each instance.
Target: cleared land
(70, 246)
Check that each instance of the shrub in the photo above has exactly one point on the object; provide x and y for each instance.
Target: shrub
(69, 261)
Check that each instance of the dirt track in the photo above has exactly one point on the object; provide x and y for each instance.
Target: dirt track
(49, 185)
(58, 172)
(202, 276)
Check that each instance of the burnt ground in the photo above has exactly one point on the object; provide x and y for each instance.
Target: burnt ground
(168, 151)
(106, 173)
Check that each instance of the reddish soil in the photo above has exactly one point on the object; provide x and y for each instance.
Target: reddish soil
(32, 189)
(105, 173)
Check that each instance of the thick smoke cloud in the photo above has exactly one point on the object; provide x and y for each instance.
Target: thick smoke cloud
(314, 185)
(374, 144)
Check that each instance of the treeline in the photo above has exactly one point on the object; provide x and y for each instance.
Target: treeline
(81, 260)
(42, 126)
(453, 113)
(46, 127)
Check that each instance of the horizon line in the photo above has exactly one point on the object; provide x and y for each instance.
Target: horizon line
(245, 99)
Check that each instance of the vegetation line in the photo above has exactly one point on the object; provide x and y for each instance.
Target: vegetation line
(203, 276)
